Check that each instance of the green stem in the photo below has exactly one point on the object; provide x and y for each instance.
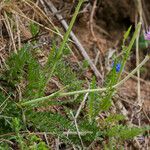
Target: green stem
(65, 39)
(129, 49)
(86, 90)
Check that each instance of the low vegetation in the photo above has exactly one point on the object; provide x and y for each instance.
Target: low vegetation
(53, 105)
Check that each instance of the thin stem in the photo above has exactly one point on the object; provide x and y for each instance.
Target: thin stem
(129, 49)
(42, 133)
(65, 39)
(137, 54)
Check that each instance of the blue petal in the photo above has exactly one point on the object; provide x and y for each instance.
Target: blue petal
(118, 67)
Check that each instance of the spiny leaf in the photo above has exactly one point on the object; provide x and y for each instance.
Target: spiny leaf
(114, 118)
(34, 29)
(124, 132)
(93, 101)
(126, 35)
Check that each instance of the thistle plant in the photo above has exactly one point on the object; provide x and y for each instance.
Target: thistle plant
(31, 117)
(112, 75)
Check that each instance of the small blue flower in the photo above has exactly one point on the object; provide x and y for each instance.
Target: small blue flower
(117, 67)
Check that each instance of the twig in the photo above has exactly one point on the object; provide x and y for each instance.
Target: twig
(48, 133)
(78, 132)
(57, 143)
(93, 34)
(125, 100)
(41, 25)
(136, 78)
(45, 135)
(45, 9)
(146, 115)
(75, 39)
(18, 32)
(97, 57)
(137, 54)
(91, 20)
(10, 32)
(5, 140)
(65, 39)
(81, 105)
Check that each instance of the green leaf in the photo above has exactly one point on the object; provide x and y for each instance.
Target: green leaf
(34, 29)
(105, 104)
(126, 35)
(114, 118)
(92, 101)
(124, 132)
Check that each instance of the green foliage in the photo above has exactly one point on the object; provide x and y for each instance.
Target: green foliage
(90, 127)
(24, 67)
(16, 64)
(123, 132)
(143, 44)
(85, 64)
(114, 118)
(7, 113)
(4, 146)
(126, 35)
(16, 126)
(35, 77)
(116, 132)
(34, 29)
(67, 76)
(62, 69)
(34, 143)
(93, 100)
(113, 76)
(54, 123)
